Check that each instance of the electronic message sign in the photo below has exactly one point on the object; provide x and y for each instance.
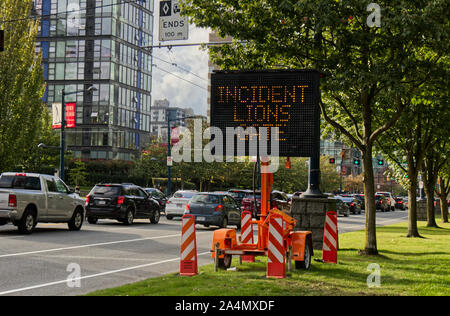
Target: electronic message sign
(288, 100)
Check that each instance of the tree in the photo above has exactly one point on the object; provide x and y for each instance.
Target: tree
(361, 63)
(21, 84)
(78, 174)
(43, 160)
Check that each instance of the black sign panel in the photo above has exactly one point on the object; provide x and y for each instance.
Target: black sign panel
(2, 40)
(288, 100)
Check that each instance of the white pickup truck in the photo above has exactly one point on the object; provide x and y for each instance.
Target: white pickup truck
(27, 199)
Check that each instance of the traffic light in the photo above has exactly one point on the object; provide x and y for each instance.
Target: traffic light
(380, 162)
(356, 162)
(2, 40)
(332, 161)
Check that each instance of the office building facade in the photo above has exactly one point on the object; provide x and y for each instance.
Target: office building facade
(100, 43)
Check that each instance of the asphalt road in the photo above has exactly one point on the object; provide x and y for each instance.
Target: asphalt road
(106, 255)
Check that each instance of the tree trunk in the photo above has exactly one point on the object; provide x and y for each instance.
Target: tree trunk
(429, 192)
(369, 200)
(444, 208)
(429, 177)
(412, 207)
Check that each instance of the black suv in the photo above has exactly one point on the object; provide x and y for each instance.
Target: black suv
(122, 202)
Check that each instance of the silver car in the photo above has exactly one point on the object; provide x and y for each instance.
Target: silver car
(176, 205)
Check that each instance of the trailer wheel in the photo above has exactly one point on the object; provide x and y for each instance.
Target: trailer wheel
(306, 264)
(225, 263)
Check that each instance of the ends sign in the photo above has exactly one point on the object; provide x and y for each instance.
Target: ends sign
(172, 26)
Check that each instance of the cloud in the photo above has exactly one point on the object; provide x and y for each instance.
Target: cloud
(179, 92)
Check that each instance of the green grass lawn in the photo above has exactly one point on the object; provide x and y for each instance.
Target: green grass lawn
(418, 266)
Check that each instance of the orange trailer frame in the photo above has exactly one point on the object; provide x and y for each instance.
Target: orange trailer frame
(298, 244)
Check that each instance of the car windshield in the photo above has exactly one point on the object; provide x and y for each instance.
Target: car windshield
(251, 196)
(237, 195)
(347, 199)
(377, 197)
(184, 195)
(106, 191)
(206, 199)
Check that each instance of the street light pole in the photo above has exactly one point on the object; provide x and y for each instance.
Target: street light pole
(63, 135)
(63, 126)
(169, 154)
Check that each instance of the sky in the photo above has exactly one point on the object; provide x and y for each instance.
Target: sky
(179, 92)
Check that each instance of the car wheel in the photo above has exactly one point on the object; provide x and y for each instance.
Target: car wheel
(224, 223)
(76, 222)
(27, 223)
(92, 220)
(306, 263)
(129, 218)
(155, 217)
(225, 263)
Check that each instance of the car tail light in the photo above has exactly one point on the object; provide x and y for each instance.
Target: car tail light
(120, 200)
(227, 242)
(87, 200)
(187, 207)
(12, 200)
(219, 208)
(352, 204)
(168, 202)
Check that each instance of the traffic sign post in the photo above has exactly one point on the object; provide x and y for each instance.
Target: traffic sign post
(172, 26)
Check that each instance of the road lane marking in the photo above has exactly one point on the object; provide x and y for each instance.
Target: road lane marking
(93, 275)
(87, 246)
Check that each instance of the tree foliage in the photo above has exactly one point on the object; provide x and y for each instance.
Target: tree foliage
(362, 64)
(21, 84)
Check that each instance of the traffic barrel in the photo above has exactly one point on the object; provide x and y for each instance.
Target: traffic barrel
(247, 233)
(276, 254)
(188, 262)
(330, 238)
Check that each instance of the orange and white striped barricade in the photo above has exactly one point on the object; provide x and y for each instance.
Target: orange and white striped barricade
(188, 262)
(330, 238)
(247, 233)
(276, 253)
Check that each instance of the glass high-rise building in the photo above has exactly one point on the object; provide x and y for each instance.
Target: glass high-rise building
(100, 43)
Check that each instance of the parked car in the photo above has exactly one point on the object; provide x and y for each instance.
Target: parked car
(390, 199)
(381, 203)
(278, 200)
(176, 205)
(217, 209)
(360, 198)
(121, 202)
(399, 203)
(239, 194)
(406, 201)
(27, 199)
(159, 197)
(352, 202)
(342, 208)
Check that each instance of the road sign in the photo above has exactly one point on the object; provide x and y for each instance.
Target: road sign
(169, 161)
(288, 100)
(172, 26)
